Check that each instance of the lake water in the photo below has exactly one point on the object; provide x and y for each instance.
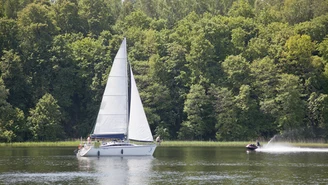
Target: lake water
(169, 165)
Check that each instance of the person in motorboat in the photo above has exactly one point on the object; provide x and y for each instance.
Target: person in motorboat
(253, 146)
(258, 144)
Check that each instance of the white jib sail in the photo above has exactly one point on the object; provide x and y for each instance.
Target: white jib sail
(113, 113)
(138, 124)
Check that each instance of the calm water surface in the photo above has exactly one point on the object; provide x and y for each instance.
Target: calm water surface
(170, 165)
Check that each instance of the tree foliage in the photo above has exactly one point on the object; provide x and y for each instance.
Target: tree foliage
(44, 120)
(206, 70)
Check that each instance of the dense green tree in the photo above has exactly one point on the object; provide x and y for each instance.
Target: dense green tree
(276, 34)
(9, 8)
(136, 19)
(323, 48)
(218, 33)
(298, 54)
(116, 8)
(241, 8)
(242, 31)
(15, 80)
(182, 31)
(227, 127)
(315, 81)
(96, 14)
(12, 126)
(144, 44)
(317, 28)
(36, 29)
(171, 11)
(290, 103)
(299, 47)
(265, 12)
(265, 74)
(44, 120)
(296, 11)
(92, 59)
(319, 7)
(177, 80)
(318, 107)
(66, 17)
(257, 48)
(238, 38)
(65, 85)
(200, 121)
(237, 71)
(8, 34)
(201, 60)
(250, 117)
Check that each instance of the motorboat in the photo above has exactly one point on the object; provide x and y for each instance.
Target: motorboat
(251, 147)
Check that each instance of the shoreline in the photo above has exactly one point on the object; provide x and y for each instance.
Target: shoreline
(168, 143)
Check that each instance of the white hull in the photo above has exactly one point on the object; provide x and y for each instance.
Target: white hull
(106, 150)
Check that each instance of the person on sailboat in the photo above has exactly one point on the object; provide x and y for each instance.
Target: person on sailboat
(97, 144)
(158, 140)
(88, 140)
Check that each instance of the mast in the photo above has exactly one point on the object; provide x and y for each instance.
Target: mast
(127, 90)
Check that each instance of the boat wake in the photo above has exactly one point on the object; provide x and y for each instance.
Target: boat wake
(278, 148)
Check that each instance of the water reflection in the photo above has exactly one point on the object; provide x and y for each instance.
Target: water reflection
(47, 178)
(118, 170)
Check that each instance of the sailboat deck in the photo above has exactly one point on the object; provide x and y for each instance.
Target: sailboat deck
(116, 144)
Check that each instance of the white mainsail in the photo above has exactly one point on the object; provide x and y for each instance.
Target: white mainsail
(113, 114)
(138, 125)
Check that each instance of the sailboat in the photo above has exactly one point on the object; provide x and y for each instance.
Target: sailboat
(121, 116)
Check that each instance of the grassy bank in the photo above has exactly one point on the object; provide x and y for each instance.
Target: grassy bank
(30, 144)
(239, 143)
(164, 143)
(203, 143)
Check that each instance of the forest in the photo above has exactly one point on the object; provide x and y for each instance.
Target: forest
(219, 70)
